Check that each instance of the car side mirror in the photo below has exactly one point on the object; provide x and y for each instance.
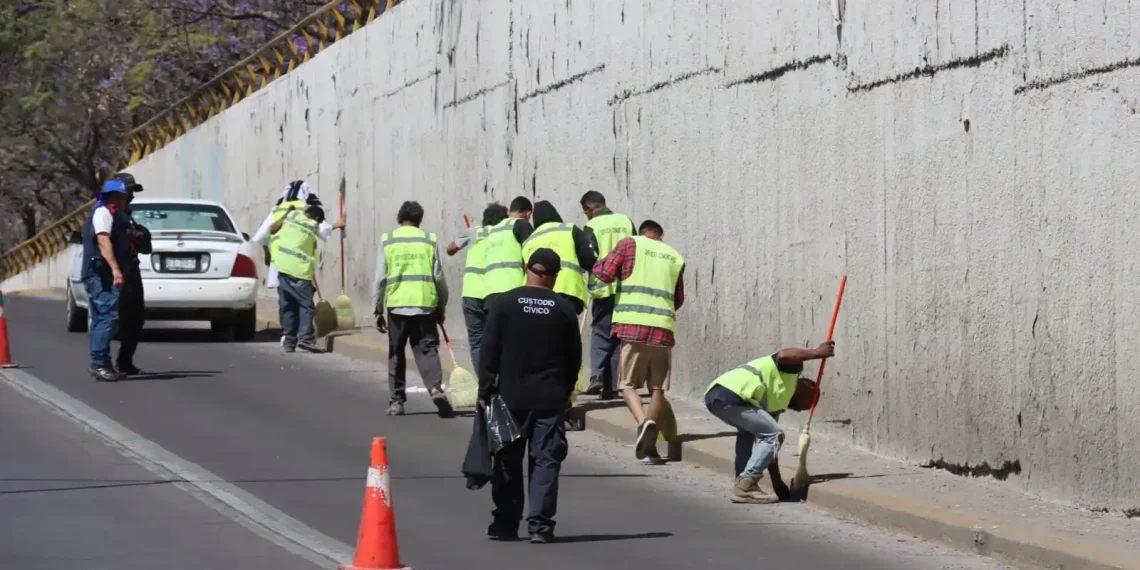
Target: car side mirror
(245, 235)
(73, 238)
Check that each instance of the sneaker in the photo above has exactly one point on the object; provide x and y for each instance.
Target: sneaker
(282, 341)
(308, 347)
(396, 409)
(439, 398)
(595, 387)
(653, 458)
(542, 537)
(290, 349)
(646, 439)
(105, 373)
(502, 532)
(129, 369)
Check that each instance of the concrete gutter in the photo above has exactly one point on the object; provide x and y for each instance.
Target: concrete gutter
(1016, 546)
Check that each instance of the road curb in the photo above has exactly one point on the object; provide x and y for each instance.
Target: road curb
(1012, 545)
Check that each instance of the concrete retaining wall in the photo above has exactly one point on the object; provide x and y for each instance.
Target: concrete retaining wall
(971, 165)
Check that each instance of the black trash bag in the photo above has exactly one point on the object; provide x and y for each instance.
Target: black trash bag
(501, 427)
(477, 467)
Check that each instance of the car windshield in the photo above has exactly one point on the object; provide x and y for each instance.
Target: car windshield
(185, 217)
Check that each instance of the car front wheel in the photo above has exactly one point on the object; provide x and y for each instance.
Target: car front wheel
(76, 315)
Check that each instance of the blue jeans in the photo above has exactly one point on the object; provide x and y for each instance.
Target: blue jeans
(295, 305)
(756, 437)
(603, 345)
(103, 306)
(474, 315)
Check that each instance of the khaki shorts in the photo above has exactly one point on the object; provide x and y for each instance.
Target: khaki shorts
(642, 365)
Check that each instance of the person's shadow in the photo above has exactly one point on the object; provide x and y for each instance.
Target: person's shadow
(609, 537)
(171, 375)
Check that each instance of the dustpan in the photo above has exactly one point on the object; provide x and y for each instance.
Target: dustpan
(462, 386)
(345, 315)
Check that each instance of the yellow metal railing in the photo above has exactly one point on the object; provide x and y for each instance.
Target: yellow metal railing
(324, 27)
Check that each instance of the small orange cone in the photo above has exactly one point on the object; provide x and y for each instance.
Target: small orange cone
(5, 353)
(376, 547)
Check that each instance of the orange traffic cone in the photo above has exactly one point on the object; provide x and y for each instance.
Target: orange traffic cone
(5, 353)
(376, 544)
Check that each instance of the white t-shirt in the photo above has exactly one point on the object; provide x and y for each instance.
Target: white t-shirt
(102, 221)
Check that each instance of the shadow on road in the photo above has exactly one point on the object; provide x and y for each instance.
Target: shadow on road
(172, 375)
(687, 437)
(610, 537)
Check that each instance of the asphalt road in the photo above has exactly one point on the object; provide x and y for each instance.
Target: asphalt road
(293, 432)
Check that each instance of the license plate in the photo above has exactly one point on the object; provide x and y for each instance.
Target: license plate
(180, 263)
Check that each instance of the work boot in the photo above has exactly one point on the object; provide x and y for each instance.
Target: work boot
(595, 387)
(502, 532)
(439, 398)
(396, 409)
(104, 373)
(745, 491)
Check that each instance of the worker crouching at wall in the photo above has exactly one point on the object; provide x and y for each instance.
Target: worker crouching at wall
(294, 250)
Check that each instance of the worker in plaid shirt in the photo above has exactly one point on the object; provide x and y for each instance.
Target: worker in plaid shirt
(651, 288)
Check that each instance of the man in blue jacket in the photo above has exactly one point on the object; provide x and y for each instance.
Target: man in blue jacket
(107, 252)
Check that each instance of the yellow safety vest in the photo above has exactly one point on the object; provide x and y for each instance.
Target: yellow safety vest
(608, 230)
(409, 254)
(646, 298)
(294, 251)
(760, 383)
(476, 266)
(502, 259)
(560, 238)
(279, 212)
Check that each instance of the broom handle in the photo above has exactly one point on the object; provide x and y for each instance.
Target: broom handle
(447, 342)
(823, 363)
(342, 246)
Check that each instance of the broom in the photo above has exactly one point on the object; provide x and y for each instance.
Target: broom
(462, 386)
(324, 318)
(802, 479)
(345, 316)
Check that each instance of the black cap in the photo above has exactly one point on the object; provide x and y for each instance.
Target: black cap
(128, 180)
(315, 212)
(544, 262)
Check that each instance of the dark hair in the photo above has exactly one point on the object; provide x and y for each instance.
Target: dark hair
(494, 213)
(521, 204)
(315, 212)
(593, 198)
(410, 211)
(650, 226)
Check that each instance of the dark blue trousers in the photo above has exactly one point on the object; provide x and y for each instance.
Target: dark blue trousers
(544, 435)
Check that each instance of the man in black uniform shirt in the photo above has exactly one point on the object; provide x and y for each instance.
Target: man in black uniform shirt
(131, 306)
(532, 351)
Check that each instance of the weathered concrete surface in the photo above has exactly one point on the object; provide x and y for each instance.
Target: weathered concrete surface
(50, 273)
(971, 166)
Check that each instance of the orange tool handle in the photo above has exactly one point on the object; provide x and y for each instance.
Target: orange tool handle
(446, 340)
(830, 332)
(342, 245)
(466, 221)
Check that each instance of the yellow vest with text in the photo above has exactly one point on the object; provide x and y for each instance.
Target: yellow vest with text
(608, 230)
(502, 259)
(760, 383)
(475, 268)
(646, 298)
(294, 251)
(279, 212)
(560, 238)
(409, 254)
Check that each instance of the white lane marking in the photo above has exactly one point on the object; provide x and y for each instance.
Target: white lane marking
(225, 498)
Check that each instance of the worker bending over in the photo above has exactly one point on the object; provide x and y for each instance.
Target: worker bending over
(572, 247)
(474, 292)
(649, 274)
(294, 251)
(606, 228)
(409, 285)
(502, 255)
(751, 398)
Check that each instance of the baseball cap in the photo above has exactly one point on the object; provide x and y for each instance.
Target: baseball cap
(544, 262)
(129, 182)
(114, 186)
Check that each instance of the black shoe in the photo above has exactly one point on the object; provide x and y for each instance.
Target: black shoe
(439, 398)
(309, 347)
(105, 374)
(129, 369)
(607, 395)
(595, 387)
(541, 537)
(502, 533)
(290, 349)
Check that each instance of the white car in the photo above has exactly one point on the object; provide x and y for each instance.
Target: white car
(202, 268)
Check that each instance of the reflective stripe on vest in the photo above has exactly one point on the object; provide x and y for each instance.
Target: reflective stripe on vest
(294, 251)
(502, 259)
(646, 298)
(560, 238)
(279, 212)
(608, 230)
(760, 383)
(474, 269)
(409, 255)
